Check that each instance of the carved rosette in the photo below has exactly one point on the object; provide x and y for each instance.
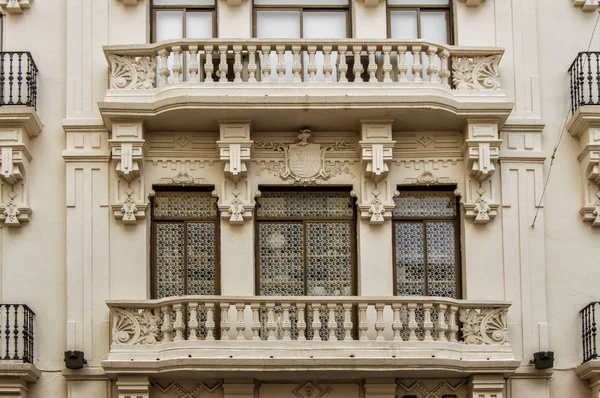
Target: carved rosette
(484, 325)
(132, 73)
(135, 326)
(476, 73)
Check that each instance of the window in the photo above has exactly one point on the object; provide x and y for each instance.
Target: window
(426, 242)
(292, 19)
(185, 242)
(176, 19)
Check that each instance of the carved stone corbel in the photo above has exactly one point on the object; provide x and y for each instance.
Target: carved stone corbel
(235, 148)
(127, 150)
(376, 152)
(15, 6)
(481, 152)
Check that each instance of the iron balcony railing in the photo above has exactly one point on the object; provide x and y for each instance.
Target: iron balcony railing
(589, 331)
(585, 80)
(18, 79)
(16, 332)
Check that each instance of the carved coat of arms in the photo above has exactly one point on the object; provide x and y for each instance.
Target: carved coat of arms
(305, 162)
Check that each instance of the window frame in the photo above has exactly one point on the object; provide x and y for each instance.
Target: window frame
(423, 220)
(419, 8)
(184, 8)
(184, 220)
(304, 220)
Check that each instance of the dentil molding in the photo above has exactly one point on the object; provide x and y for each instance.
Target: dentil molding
(15, 6)
(587, 5)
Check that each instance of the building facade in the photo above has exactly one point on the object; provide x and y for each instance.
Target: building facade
(285, 198)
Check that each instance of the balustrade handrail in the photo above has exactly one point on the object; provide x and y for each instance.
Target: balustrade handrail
(16, 332)
(18, 79)
(584, 80)
(589, 331)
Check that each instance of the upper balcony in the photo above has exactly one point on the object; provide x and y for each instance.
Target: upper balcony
(354, 336)
(334, 83)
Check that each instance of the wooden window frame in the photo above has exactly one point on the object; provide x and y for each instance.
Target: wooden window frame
(184, 9)
(423, 220)
(184, 220)
(423, 8)
(304, 220)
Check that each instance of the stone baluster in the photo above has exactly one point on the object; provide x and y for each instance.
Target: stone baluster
(297, 63)
(417, 68)
(178, 325)
(452, 325)
(301, 325)
(444, 71)
(379, 324)
(342, 65)
(427, 324)
(286, 324)
(237, 64)
(210, 321)
(164, 67)
(280, 63)
(347, 321)
(312, 64)
(266, 64)
(372, 67)
(402, 67)
(363, 324)
(387, 64)
(252, 68)
(223, 67)
(442, 326)
(432, 69)
(208, 64)
(327, 66)
(224, 321)
(255, 321)
(193, 68)
(397, 321)
(177, 68)
(358, 68)
(271, 325)
(316, 323)
(412, 321)
(166, 327)
(240, 325)
(332, 323)
(193, 321)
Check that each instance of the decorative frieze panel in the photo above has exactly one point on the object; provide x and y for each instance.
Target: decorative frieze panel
(15, 6)
(431, 388)
(185, 389)
(476, 73)
(426, 144)
(132, 73)
(198, 145)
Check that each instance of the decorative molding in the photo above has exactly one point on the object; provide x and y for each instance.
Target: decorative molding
(476, 73)
(371, 3)
(182, 392)
(432, 388)
(182, 178)
(15, 6)
(128, 72)
(486, 386)
(376, 148)
(133, 386)
(234, 3)
(587, 5)
(484, 325)
(130, 2)
(427, 178)
(305, 162)
(471, 3)
(135, 326)
(482, 211)
(377, 210)
(310, 389)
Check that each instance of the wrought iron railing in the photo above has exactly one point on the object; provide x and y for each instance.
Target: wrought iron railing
(585, 80)
(16, 332)
(18, 79)
(589, 331)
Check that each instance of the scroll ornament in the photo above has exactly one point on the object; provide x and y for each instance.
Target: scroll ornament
(132, 73)
(135, 326)
(476, 73)
(484, 326)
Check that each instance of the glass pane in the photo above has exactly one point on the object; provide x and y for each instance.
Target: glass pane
(199, 24)
(403, 24)
(169, 25)
(282, 25)
(185, 204)
(280, 259)
(201, 259)
(410, 259)
(302, 2)
(183, 2)
(418, 2)
(425, 204)
(434, 26)
(305, 204)
(328, 259)
(169, 260)
(441, 259)
(319, 25)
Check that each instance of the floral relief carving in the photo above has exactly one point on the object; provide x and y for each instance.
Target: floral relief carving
(305, 162)
(135, 326)
(12, 211)
(132, 73)
(484, 326)
(428, 178)
(182, 178)
(476, 73)
(129, 208)
(376, 209)
(482, 208)
(236, 208)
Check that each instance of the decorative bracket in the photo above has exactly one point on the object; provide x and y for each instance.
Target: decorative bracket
(587, 5)
(482, 211)
(377, 210)
(127, 149)
(15, 6)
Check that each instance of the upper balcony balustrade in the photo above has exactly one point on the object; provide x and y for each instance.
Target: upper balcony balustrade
(384, 335)
(335, 82)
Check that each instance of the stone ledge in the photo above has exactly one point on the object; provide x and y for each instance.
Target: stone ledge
(24, 371)
(21, 116)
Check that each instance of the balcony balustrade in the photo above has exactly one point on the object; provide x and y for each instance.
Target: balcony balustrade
(589, 331)
(584, 76)
(18, 79)
(16, 333)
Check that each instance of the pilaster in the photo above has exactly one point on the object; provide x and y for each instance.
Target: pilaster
(133, 387)
(380, 388)
(376, 153)
(486, 386)
(13, 387)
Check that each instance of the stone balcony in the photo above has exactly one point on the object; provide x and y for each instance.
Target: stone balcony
(183, 84)
(353, 336)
